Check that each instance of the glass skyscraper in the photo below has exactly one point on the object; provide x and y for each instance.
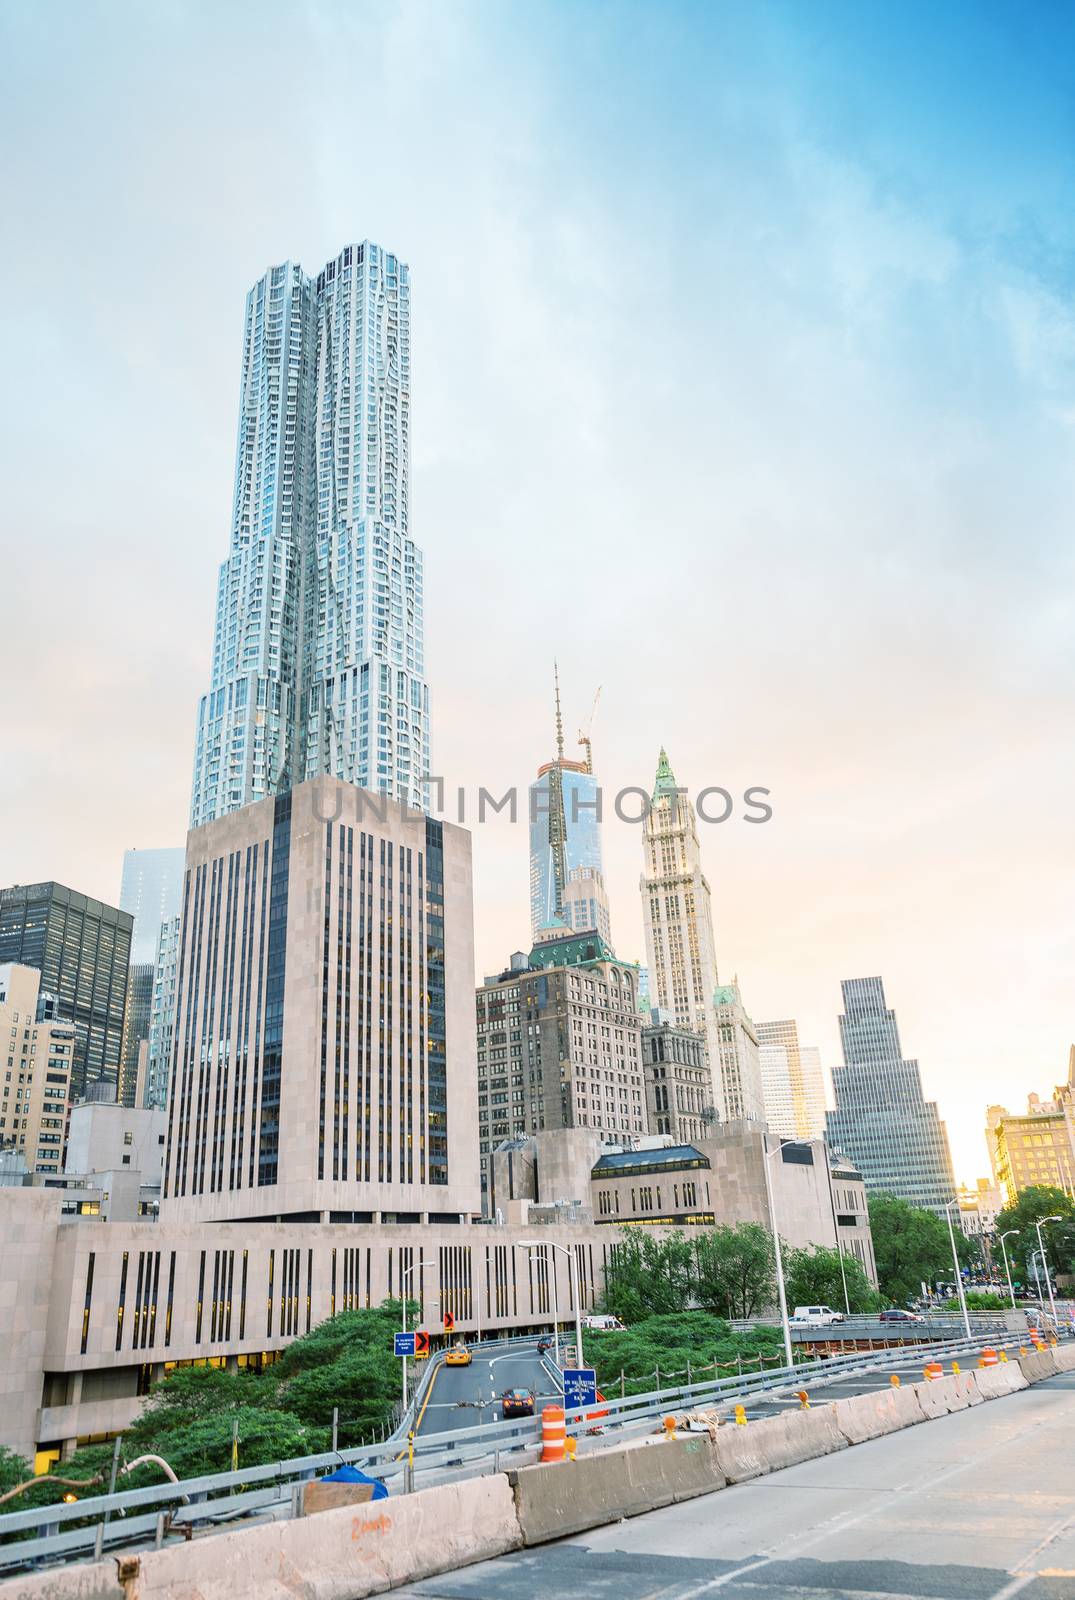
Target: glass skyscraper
(150, 890)
(318, 654)
(82, 949)
(882, 1121)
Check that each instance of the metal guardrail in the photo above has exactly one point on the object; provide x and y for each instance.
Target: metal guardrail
(133, 1516)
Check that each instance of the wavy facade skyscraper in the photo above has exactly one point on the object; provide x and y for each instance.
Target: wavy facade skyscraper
(318, 650)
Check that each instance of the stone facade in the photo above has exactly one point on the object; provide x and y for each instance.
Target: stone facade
(323, 1055)
(92, 1313)
(36, 1065)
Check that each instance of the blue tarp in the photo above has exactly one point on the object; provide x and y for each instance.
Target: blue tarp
(352, 1475)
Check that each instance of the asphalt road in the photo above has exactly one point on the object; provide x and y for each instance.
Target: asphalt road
(975, 1506)
(470, 1395)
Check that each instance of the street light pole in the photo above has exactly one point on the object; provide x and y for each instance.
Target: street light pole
(530, 1254)
(1045, 1264)
(955, 1264)
(1007, 1268)
(402, 1280)
(573, 1281)
(766, 1156)
(836, 1226)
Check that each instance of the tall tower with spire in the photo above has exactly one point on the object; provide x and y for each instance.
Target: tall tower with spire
(566, 875)
(677, 913)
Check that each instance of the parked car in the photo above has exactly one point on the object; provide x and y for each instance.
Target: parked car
(895, 1314)
(816, 1316)
(458, 1356)
(517, 1403)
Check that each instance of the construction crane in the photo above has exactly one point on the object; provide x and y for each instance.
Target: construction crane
(584, 737)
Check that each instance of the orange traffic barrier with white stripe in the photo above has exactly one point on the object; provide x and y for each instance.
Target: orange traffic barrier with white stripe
(989, 1357)
(553, 1433)
(933, 1369)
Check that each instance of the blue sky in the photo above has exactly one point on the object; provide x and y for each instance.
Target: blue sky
(744, 359)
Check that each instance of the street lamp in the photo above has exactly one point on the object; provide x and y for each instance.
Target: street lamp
(402, 1280)
(573, 1280)
(767, 1156)
(1007, 1268)
(530, 1255)
(955, 1264)
(1045, 1264)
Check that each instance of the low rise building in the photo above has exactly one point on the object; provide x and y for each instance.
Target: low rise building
(813, 1194)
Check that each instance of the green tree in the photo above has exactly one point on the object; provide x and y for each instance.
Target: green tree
(1040, 1200)
(736, 1269)
(673, 1344)
(813, 1276)
(648, 1276)
(910, 1245)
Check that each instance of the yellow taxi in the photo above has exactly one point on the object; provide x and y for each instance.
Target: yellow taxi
(458, 1356)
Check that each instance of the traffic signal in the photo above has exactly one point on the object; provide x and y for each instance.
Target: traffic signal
(449, 1322)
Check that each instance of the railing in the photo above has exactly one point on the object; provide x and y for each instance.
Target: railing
(141, 1516)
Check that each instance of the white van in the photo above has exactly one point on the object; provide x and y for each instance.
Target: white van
(601, 1321)
(816, 1316)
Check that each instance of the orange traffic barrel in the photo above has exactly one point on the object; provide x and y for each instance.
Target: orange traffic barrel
(933, 1369)
(602, 1411)
(989, 1357)
(553, 1433)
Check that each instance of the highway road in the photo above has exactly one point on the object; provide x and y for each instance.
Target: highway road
(469, 1396)
(975, 1506)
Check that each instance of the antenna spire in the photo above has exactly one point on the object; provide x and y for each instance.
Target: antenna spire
(559, 718)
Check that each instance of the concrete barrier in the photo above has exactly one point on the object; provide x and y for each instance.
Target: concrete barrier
(744, 1453)
(993, 1382)
(95, 1581)
(552, 1502)
(938, 1397)
(967, 1387)
(337, 1555)
(1064, 1356)
(869, 1416)
(1037, 1365)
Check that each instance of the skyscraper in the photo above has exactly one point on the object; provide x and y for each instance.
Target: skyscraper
(681, 953)
(162, 1014)
(792, 1080)
(882, 1121)
(323, 1058)
(150, 889)
(565, 834)
(82, 949)
(318, 654)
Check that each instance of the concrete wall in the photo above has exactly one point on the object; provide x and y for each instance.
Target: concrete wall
(29, 1223)
(107, 1138)
(139, 1307)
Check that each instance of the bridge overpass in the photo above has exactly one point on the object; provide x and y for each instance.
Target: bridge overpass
(979, 1505)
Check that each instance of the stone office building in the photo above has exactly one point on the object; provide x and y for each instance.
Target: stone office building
(559, 1046)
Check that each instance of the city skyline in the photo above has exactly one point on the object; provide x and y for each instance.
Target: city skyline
(893, 620)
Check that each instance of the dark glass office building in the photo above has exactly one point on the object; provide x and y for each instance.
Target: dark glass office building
(82, 948)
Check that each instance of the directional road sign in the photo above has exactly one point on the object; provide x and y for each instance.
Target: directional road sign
(449, 1322)
(421, 1343)
(404, 1344)
(580, 1387)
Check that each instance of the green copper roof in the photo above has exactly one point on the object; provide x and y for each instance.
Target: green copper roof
(665, 782)
(725, 994)
(574, 950)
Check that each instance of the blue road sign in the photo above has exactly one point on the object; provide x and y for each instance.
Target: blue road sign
(580, 1387)
(404, 1344)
